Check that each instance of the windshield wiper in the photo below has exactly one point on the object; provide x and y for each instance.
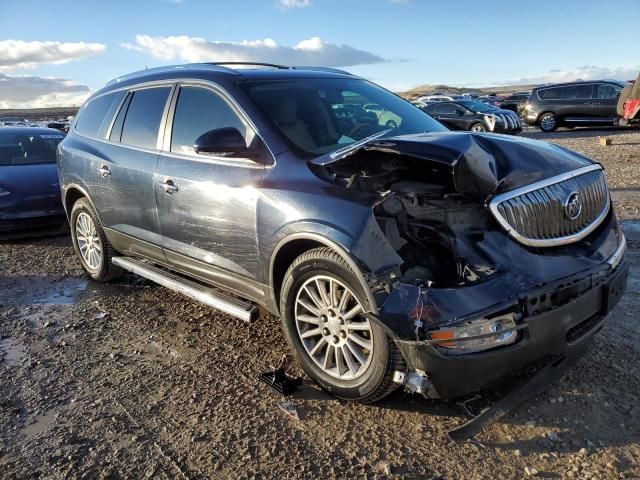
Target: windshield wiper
(353, 146)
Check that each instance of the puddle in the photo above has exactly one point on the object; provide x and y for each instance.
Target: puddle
(631, 226)
(63, 293)
(41, 423)
(11, 352)
(44, 291)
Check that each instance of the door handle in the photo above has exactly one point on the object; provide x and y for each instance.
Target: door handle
(104, 171)
(169, 186)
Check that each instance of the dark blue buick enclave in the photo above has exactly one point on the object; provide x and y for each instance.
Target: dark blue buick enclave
(400, 254)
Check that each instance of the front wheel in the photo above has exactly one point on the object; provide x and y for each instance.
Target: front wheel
(548, 122)
(478, 127)
(322, 306)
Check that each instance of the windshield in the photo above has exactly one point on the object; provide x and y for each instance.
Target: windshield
(320, 116)
(23, 149)
(478, 107)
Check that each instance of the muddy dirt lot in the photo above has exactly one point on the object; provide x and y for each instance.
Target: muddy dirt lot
(130, 380)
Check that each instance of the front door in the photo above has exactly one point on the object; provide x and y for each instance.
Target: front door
(207, 203)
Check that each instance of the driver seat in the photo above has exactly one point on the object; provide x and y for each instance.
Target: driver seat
(286, 116)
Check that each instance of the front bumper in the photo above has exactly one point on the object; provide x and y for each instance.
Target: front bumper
(547, 332)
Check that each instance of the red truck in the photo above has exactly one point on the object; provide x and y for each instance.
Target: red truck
(629, 104)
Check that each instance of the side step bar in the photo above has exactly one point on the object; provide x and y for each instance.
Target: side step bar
(238, 308)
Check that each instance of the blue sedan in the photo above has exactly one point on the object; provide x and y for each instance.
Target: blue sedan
(29, 190)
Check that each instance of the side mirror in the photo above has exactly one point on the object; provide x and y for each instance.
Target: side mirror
(221, 142)
(460, 112)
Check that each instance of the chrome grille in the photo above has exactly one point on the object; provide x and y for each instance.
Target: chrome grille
(557, 211)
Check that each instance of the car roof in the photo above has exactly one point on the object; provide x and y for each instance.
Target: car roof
(252, 71)
(580, 82)
(29, 130)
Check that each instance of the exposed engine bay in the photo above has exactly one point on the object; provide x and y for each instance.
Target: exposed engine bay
(431, 227)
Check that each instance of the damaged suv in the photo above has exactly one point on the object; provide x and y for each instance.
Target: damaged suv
(399, 254)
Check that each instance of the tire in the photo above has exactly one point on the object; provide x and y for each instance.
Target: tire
(368, 376)
(548, 122)
(391, 124)
(478, 127)
(88, 235)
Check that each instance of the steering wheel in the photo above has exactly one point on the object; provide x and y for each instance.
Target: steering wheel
(357, 127)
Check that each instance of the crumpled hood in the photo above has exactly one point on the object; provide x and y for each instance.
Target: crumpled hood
(483, 164)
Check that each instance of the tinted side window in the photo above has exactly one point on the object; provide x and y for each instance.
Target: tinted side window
(550, 93)
(143, 118)
(96, 116)
(431, 108)
(607, 90)
(447, 108)
(199, 110)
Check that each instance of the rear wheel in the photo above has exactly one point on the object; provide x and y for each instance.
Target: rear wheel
(548, 122)
(322, 306)
(91, 244)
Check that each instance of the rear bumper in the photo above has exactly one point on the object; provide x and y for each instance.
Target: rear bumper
(562, 331)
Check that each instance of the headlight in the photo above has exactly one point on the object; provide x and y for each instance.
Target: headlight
(4, 192)
(477, 335)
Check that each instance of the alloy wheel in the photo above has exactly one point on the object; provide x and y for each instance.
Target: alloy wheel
(88, 240)
(332, 329)
(478, 128)
(548, 122)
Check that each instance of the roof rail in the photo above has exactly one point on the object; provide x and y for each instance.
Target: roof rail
(325, 69)
(259, 64)
(168, 68)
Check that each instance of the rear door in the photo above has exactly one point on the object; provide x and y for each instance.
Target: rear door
(575, 103)
(127, 202)
(604, 102)
(207, 204)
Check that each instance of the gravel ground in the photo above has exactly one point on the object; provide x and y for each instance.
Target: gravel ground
(130, 380)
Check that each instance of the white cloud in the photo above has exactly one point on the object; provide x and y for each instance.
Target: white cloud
(294, 3)
(28, 91)
(310, 52)
(585, 72)
(20, 54)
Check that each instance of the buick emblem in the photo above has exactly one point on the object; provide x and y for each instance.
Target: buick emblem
(572, 206)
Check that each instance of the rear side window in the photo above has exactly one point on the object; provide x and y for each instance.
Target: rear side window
(142, 123)
(96, 116)
(550, 93)
(29, 148)
(198, 111)
(608, 91)
(430, 108)
(447, 108)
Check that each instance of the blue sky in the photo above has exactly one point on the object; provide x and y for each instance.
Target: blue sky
(399, 44)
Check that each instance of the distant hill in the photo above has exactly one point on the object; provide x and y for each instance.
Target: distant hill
(447, 89)
(32, 114)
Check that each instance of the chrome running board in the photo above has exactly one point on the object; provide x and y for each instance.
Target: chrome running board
(232, 306)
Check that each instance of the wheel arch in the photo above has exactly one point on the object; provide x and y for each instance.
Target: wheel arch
(72, 194)
(544, 112)
(292, 246)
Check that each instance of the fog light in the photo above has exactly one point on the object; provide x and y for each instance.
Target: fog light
(477, 335)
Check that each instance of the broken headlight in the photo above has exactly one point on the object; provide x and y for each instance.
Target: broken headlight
(477, 335)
